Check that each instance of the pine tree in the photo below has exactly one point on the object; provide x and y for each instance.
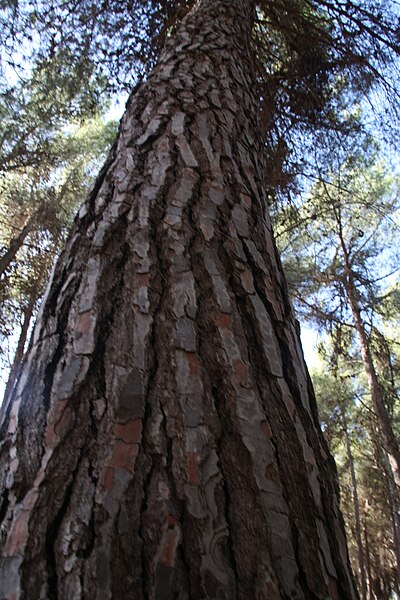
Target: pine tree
(162, 440)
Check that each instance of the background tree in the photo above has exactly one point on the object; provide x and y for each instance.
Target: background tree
(365, 479)
(346, 253)
(37, 100)
(340, 253)
(336, 405)
(52, 141)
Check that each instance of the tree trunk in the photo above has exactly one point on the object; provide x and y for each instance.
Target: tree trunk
(163, 439)
(18, 356)
(383, 463)
(356, 505)
(17, 242)
(395, 518)
(19, 353)
(375, 387)
(368, 561)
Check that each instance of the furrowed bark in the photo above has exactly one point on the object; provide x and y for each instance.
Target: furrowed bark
(163, 438)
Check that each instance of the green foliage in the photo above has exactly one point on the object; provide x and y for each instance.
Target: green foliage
(345, 234)
(52, 142)
(44, 198)
(35, 108)
(351, 215)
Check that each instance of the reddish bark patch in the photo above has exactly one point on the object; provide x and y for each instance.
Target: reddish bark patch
(130, 432)
(266, 429)
(50, 436)
(143, 279)
(14, 464)
(207, 230)
(240, 369)
(84, 323)
(272, 593)
(12, 425)
(58, 424)
(193, 468)
(247, 281)
(333, 590)
(168, 552)
(324, 455)
(193, 362)
(271, 472)
(224, 320)
(108, 478)
(65, 423)
(172, 521)
(246, 200)
(30, 499)
(291, 407)
(310, 466)
(124, 455)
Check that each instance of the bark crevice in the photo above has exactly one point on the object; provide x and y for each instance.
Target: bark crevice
(51, 536)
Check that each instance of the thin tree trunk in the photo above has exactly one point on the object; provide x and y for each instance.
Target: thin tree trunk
(383, 464)
(368, 561)
(17, 242)
(18, 356)
(361, 565)
(395, 518)
(377, 397)
(163, 440)
(375, 387)
(393, 502)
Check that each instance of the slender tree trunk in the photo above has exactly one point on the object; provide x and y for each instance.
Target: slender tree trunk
(17, 242)
(395, 518)
(19, 353)
(368, 561)
(377, 397)
(163, 440)
(375, 387)
(361, 565)
(383, 464)
(393, 502)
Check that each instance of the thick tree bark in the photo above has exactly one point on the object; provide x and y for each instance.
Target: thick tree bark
(163, 438)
